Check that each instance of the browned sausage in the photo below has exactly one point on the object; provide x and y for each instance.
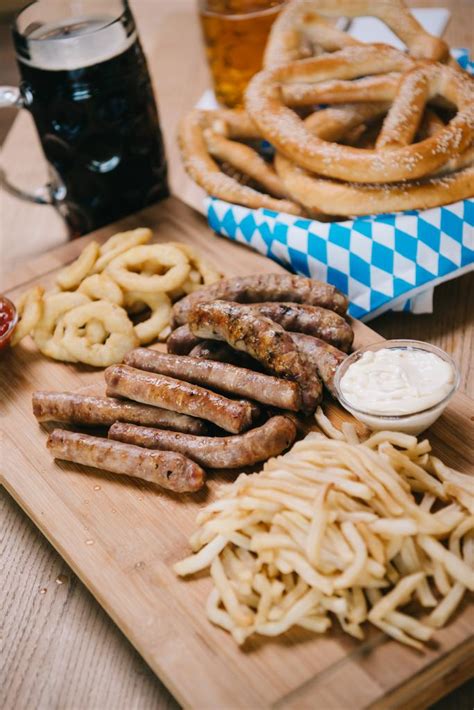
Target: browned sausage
(219, 376)
(166, 468)
(299, 318)
(264, 287)
(261, 338)
(90, 410)
(178, 396)
(217, 351)
(321, 356)
(312, 320)
(256, 445)
(181, 341)
(221, 352)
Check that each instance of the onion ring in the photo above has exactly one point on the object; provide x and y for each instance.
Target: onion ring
(160, 306)
(120, 243)
(116, 323)
(48, 332)
(121, 269)
(101, 287)
(30, 310)
(70, 277)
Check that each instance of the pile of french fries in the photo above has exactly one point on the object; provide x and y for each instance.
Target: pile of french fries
(343, 528)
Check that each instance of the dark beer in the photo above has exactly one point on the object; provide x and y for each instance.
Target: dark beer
(94, 109)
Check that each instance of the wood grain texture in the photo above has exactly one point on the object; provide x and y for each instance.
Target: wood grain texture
(85, 662)
(121, 537)
(61, 650)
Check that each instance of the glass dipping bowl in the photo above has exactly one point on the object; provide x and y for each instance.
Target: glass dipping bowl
(413, 423)
(10, 308)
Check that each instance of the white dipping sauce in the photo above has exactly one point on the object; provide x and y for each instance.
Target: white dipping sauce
(397, 381)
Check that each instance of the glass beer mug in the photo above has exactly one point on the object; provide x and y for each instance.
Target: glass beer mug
(84, 79)
(235, 33)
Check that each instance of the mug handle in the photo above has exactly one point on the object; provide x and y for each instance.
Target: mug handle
(10, 96)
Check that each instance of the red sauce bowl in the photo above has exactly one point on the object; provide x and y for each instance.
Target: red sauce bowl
(8, 320)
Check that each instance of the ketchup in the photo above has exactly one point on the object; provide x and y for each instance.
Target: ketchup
(8, 319)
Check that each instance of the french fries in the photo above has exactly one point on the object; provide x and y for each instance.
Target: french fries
(339, 527)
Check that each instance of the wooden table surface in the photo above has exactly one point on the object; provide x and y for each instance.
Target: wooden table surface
(61, 650)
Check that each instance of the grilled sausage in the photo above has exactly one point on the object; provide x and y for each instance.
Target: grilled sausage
(90, 410)
(221, 352)
(181, 341)
(264, 287)
(300, 318)
(256, 445)
(311, 320)
(166, 468)
(220, 376)
(321, 356)
(178, 396)
(261, 338)
(216, 351)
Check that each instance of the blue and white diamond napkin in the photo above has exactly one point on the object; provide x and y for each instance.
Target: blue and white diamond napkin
(379, 262)
(385, 262)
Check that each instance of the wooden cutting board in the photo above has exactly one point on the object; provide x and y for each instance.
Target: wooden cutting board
(121, 537)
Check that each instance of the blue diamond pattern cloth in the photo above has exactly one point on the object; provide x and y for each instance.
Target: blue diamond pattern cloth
(385, 262)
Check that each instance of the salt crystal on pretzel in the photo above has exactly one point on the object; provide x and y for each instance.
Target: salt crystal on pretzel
(201, 138)
(301, 27)
(286, 131)
(334, 197)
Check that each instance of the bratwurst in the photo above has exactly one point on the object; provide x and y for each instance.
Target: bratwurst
(311, 320)
(256, 445)
(104, 411)
(166, 468)
(227, 378)
(264, 287)
(232, 415)
(299, 318)
(320, 356)
(181, 341)
(219, 351)
(261, 338)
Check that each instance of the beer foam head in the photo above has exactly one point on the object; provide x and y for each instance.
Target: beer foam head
(79, 43)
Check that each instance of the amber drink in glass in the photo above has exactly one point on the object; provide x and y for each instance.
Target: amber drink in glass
(235, 33)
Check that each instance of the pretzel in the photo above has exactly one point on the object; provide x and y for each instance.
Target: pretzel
(285, 130)
(335, 91)
(336, 198)
(205, 135)
(301, 30)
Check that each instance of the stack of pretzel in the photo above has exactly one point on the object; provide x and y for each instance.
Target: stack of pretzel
(396, 131)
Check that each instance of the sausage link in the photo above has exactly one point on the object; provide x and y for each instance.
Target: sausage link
(168, 469)
(178, 396)
(104, 411)
(264, 287)
(221, 352)
(261, 338)
(256, 445)
(221, 376)
(320, 356)
(300, 318)
(181, 341)
(311, 320)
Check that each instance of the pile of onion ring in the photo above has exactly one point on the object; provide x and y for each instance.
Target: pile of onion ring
(112, 298)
